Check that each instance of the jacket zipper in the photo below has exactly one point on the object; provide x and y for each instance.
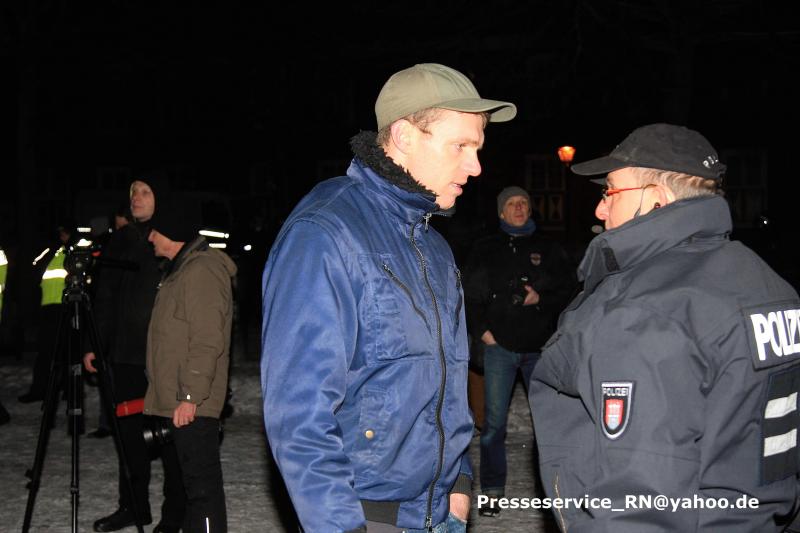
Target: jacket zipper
(442, 382)
(405, 289)
(460, 298)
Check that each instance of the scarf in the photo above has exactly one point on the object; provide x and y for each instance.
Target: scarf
(519, 231)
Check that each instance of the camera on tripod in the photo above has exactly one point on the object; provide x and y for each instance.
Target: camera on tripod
(79, 260)
(75, 326)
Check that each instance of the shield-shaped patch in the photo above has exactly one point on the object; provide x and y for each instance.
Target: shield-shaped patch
(617, 404)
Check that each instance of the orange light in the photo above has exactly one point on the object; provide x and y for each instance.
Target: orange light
(565, 154)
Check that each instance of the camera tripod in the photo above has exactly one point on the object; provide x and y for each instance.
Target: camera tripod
(66, 366)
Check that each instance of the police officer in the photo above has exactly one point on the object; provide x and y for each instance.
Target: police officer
(675, 372)
(52, 288)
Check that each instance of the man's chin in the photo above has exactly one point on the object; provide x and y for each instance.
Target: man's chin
(446, 203)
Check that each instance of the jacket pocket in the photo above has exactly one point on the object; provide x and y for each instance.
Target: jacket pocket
(456, 294)
(451, 310)
(371, 440)
(398, 321)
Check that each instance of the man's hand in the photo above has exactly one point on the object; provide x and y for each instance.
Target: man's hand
(488, 338)
(532, 298)
(184, 414)
(459, 506)
(88, 362)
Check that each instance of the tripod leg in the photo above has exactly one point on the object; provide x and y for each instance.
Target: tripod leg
(107, 396)
(49, 408)
(75, 409)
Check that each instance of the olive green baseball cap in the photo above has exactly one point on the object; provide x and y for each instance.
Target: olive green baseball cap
(432, 85)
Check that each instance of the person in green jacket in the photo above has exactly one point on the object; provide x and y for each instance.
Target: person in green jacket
(187, 361)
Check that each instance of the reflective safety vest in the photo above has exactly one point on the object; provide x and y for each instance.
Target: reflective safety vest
(53, 279)
(3, 269)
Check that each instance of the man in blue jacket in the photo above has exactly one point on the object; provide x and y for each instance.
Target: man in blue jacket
(364, 362)
(667, 399)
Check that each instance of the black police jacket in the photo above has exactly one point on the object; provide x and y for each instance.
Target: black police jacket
(674, 376)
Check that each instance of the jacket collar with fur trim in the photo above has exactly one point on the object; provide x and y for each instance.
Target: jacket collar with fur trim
(371, 155)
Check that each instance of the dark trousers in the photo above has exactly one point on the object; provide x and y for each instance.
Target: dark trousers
(198, 454)
(500, 368)
(49, 317)
(173, 508)
(130, 382)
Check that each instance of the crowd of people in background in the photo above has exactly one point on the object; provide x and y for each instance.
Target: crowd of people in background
(666, 362)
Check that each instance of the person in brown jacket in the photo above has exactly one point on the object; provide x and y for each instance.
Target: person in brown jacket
(187, 362)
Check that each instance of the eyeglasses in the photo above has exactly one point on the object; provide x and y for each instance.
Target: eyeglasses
(606, 192)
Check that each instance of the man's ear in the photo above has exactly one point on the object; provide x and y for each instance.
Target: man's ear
(664, 194)
(402, 135)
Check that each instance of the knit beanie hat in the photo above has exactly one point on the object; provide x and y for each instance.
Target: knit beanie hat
(171, 221)
(507, 193)
(157, 182)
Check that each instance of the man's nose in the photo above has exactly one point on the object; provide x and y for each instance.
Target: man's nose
(601, 211)
(472, 165)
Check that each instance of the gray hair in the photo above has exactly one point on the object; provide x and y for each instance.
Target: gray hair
(683, 185)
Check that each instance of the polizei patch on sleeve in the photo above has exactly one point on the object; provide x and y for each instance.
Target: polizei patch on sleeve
(617, 404)
(774, 333)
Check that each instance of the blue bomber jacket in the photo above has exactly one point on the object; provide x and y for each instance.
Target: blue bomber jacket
(364, 358)
(670, 387)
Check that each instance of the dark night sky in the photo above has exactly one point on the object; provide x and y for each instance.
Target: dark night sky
(260, 101)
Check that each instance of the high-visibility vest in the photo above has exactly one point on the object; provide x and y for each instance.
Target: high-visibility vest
(53, 279)
(3, 269)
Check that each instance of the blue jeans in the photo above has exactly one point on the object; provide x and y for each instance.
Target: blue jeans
(451, 525)
(499, 372)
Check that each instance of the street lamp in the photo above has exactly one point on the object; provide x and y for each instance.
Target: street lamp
(565, 154)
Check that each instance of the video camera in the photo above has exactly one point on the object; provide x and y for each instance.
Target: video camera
(157, 430)
(82, 257)
(538, 280)
(79, 258)
(516, 288)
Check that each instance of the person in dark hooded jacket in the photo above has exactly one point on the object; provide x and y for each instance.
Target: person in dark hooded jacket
(123, 304)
